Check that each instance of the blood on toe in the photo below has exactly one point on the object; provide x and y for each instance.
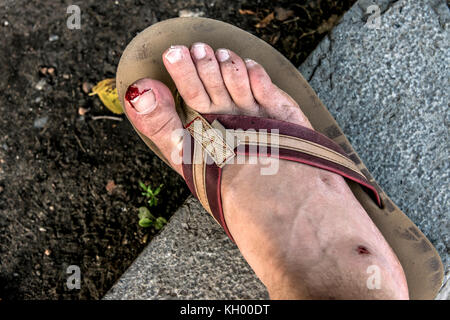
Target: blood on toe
(133, 93)
(362, 250)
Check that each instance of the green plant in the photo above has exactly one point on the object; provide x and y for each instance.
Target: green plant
(150, 194)
(146, 219)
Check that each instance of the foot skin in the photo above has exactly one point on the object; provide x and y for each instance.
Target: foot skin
(301, 230)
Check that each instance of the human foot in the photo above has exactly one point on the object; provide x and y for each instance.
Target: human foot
(302, 230)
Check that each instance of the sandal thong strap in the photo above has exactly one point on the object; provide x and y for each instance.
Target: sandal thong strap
(212, 141)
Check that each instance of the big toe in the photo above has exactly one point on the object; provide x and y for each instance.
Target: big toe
(151, 109)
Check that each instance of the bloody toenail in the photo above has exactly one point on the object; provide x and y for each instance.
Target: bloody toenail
(143, 101)
(132, 93)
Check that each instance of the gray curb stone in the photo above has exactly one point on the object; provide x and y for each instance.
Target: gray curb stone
(192, 258)
(388, 89)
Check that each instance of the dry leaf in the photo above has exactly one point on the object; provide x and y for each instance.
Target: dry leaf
(107, 92)
(244, 12)
(282, 14)
(264, 22)
(274, 39)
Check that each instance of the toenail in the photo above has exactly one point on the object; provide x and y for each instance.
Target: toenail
(143, 101)
(199, 51)
(174, 54)
(250, 62)
(223, 55)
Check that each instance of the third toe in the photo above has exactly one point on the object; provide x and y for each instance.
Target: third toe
(234, 73)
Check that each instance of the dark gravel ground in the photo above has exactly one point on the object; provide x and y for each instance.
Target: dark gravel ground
(55, 210)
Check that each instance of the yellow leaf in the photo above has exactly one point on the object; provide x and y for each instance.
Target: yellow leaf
(107, 92)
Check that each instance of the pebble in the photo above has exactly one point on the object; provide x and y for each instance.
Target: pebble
(190, 13)
(40, 85)
(82, 111)
(110, 186)
(40, 122)
(87, 86)
(53, 37)
(47, 70)
(43, 70)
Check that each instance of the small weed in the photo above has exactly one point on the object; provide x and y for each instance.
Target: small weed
(146, 219)
(150, 194)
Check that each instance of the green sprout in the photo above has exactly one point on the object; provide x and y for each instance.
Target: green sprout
(146, 219)
(150, 194)
(159, 223)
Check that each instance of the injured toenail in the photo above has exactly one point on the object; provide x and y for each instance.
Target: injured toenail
(143, 101)
(250, 62)
(223, 55)
(199, 51)
(174, 54)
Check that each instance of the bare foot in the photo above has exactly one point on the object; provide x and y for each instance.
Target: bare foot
(302, 230)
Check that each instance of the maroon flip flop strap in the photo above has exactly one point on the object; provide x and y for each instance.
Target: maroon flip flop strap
(311, 143)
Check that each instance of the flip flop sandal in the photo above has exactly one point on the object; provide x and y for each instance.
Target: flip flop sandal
(325, 148)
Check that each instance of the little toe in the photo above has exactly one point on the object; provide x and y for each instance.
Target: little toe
(273, 102)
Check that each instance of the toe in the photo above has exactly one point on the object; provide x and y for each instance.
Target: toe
(236, 80)
(209, 72)
(151, 109)
(181, 68)
(273, 102)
